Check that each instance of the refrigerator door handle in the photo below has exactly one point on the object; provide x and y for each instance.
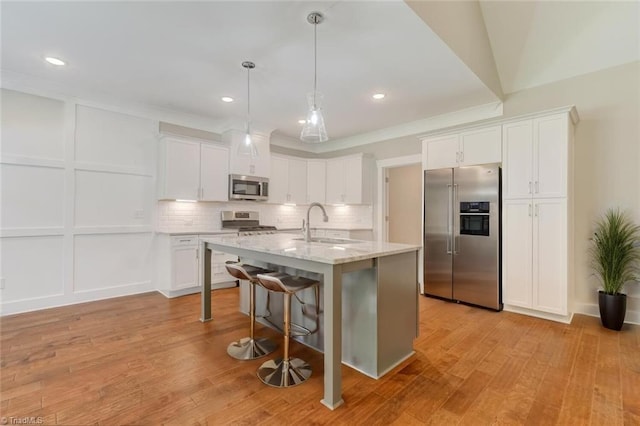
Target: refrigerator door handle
(454, 234)
(449, 218)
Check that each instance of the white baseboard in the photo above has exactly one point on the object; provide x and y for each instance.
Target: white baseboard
(592, 310)
(29, 305)
(539, 314)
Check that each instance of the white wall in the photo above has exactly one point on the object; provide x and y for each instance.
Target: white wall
(607, 159)
(77, 189)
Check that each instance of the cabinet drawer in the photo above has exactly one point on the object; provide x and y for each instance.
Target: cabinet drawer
(185, 240)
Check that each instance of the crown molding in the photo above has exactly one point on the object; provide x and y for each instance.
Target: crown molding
(11, 80)
(413, 128)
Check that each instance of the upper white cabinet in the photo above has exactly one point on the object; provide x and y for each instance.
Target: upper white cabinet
(288, 180)
(246, 165)
(316, 181)
(536, 153)
(465, 148)
(214, 173)
(193, 170)
(348, 180)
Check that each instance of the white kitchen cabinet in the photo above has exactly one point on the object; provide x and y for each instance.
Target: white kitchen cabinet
(184, 262)
(219, 274)
(536, 153)
(214, 173)
(349, 180)
(177, 259)
(288, 180)
(465, 148)
(537, 215)
(316, 181)
(246, 165)
(192, 170)
(178, 271)
(180, 169)
(535, 236)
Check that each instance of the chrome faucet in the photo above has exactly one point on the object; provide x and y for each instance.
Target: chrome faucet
(325, 218)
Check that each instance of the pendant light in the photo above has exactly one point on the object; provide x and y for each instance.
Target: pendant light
(247, 146)
(313, 130)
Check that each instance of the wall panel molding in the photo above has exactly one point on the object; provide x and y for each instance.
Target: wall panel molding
(114, 257)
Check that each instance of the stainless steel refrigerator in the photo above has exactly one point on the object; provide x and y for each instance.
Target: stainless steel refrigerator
(462, 221)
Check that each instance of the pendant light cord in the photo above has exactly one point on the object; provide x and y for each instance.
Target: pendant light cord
(248, 100)
(315, 60)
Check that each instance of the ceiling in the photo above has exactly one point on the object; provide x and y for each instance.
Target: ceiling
(182, 57)
(539, 42)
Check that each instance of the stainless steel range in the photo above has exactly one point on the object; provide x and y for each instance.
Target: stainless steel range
(245, 222)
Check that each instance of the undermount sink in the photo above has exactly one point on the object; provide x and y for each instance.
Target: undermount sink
(322, 240)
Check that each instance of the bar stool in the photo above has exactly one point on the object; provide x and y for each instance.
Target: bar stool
(285, 372)
(249, 347)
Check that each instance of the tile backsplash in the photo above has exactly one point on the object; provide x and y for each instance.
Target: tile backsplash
(175, 216)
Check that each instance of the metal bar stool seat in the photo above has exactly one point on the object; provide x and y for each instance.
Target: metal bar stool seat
(249, 347)
(286, 371)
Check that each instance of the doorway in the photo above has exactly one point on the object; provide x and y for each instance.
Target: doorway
(404, 204)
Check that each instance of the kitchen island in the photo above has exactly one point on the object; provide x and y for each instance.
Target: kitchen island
(380, 280)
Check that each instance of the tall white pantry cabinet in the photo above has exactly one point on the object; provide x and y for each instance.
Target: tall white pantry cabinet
(537, 211)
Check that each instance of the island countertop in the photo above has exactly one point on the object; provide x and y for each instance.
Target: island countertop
(291, 245)
(382, 276)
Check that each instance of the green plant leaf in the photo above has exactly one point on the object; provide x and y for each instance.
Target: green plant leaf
(613, 252)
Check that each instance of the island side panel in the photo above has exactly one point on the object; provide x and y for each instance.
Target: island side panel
(397, 309)
(359, 321)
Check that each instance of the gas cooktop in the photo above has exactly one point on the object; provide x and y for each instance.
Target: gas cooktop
(245, 222)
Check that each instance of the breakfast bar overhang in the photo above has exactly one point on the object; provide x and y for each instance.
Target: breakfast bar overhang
(394, 278)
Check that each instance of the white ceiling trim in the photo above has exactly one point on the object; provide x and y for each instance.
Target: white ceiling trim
(441, 121)
(34, 86)
(28, 84)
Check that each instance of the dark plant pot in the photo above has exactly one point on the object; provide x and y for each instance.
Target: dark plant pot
(612, 309)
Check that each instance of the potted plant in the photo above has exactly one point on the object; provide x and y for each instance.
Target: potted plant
(615, 255)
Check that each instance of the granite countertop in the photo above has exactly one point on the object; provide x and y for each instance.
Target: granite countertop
(194, 232)
(330, 227)
(340, 251)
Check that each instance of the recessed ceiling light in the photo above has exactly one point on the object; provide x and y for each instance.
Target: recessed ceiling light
(302, 121)
(226, 99)
(54, 61)
(378, 96)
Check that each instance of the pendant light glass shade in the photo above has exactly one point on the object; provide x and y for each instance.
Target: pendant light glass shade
(247, 146)
(314, 130)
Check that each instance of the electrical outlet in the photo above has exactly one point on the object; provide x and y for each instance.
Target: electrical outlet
(138, 214)
(1, 283)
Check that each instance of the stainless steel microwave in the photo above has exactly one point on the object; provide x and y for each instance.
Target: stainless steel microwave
(248, 188)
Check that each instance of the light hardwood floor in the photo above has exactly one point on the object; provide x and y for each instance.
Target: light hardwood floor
(148, 360)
